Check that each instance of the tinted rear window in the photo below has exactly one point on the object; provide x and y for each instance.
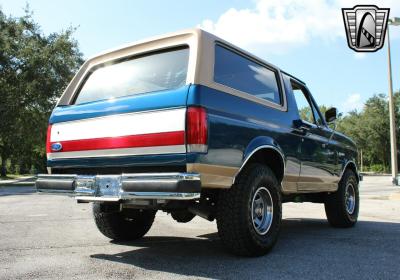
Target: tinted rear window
(152, 72)
(238, 72)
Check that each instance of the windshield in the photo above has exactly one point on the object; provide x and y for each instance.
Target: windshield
(152, 72)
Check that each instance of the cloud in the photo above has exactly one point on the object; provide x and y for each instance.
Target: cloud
(282, 25)
(353, 102)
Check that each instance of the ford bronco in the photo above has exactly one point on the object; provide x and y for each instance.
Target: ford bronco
(190, 124)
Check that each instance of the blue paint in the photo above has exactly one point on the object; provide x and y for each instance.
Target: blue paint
(135, 103)
(236, 127)
(123, 161)
(260, 141)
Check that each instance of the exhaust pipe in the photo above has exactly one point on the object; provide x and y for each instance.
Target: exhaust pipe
(203, 211)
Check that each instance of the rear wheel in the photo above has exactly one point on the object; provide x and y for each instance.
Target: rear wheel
(341, 207)
(129, 224)
(249, 213)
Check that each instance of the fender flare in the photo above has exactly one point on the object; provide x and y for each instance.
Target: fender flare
(257, 144)
(346, 165)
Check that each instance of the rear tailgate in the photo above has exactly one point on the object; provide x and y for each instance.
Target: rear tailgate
(95, 149)
(97, 133)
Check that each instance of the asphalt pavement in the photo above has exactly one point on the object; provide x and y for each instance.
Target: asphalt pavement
(53, 237)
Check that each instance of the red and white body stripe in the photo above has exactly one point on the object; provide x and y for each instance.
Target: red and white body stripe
(141, 133)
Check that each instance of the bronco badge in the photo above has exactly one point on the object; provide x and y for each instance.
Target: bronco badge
(365, 27)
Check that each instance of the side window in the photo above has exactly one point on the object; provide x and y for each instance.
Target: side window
(317, 116)
(304, 106)
(238, 72)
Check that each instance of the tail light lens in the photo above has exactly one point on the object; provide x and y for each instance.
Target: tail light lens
(196, 130)
(48, 148)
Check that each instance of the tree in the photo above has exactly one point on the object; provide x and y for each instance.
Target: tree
(370, 130)
(34, 70)
(305, 113)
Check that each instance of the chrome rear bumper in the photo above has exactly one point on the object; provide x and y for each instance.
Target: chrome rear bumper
(160, 186)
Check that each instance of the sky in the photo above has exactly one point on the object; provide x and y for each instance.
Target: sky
(304, 38)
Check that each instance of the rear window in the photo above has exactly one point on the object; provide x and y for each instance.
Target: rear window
(152, 72)
(238, 72)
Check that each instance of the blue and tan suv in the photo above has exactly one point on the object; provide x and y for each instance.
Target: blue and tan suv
(189, 124)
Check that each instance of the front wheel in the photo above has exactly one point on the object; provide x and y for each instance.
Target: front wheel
(126, 225)
(341, 207)
(249, 213)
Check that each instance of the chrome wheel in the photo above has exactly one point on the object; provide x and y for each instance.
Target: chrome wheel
(262, 210)
(350, 198)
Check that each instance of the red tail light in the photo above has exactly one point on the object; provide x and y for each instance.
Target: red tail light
(48, 149)
(196, 129)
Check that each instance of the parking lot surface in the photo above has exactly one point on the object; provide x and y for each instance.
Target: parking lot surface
(52, 237)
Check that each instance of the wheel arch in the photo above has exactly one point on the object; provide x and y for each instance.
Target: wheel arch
(264, 150)
(352, 166)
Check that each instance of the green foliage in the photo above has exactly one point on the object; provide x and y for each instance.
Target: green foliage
(370, 130)
(34, 70)
(306, 114)
(323, 109)
(378, 168)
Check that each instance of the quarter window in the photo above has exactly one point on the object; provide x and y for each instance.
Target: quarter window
(238, 72)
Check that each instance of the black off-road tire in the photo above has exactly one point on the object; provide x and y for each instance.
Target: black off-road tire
(335, 203)
(234, 213)
(126, 225)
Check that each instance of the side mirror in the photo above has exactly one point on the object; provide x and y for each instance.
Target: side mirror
(331, 115)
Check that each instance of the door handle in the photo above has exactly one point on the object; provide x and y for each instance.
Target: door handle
(298, 131)
(301, 127)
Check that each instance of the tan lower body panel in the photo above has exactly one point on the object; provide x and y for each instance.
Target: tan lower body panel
(214, 176)
(221, 177)
(289, 184)
(295, 184)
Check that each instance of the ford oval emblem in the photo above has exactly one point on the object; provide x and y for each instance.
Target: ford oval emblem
(56, 147)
